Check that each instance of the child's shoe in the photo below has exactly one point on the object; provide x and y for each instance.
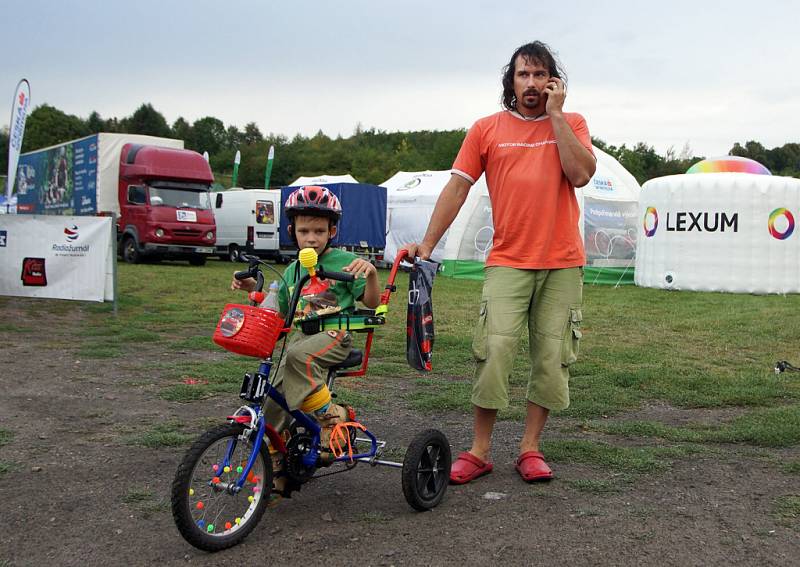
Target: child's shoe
(328, 418)
(278, 478)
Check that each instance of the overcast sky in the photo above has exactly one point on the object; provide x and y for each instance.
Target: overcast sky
(707, 74)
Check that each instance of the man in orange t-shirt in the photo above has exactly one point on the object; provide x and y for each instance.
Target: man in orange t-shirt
(533, 155)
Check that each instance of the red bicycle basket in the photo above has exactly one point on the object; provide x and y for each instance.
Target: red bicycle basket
(248, 330)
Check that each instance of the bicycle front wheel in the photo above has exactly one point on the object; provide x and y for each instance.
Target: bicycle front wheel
(210, 510)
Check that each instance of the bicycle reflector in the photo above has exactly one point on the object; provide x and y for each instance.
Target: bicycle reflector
(248, 330)
(231, 322)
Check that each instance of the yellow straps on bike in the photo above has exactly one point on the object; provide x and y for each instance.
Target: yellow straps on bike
(316, 400)
(340, 438)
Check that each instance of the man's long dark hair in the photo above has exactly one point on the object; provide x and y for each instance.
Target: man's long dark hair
(538, 52)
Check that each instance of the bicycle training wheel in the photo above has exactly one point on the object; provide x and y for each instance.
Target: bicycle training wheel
(210, 511)
(426, 469)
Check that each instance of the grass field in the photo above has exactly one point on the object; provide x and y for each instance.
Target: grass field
(640, 346)
(674, 397)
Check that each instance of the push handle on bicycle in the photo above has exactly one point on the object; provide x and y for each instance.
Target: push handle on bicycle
(390, 288)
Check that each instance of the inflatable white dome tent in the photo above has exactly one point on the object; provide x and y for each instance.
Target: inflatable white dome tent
(609, 204)
(721, 231)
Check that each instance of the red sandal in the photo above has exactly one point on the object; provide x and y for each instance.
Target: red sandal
(532, 468)
(468, 467)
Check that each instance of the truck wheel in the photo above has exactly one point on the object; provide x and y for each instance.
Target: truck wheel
(130, 252)
(233, 253)
(197, 260)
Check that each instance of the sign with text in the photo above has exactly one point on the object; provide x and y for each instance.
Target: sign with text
(58, 257)
(60, 180)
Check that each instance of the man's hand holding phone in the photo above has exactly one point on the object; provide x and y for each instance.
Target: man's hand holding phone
(556, 92)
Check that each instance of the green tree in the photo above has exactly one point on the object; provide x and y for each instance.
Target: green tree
(783, 160)
(207, 135)
(147, 120)
(95, 123)
(644, 163)
(252, 135)
(47, 126)
(181, 129)
(233, 138)
(753, 150)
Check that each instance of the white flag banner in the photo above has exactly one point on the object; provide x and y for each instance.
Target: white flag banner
(59, 257)
(16, 129)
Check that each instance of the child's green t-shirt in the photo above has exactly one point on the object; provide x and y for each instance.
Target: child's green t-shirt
(339, 297)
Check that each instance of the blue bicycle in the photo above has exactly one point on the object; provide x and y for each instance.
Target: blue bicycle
(222, 486)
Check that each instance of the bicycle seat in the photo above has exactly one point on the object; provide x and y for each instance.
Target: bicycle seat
(355, 358)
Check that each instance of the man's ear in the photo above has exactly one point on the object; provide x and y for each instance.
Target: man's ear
(334, 230)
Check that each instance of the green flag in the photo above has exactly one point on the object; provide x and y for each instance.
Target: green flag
(236, 161)
(270, 158)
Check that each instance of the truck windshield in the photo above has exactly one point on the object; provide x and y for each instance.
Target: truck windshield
(185, 198)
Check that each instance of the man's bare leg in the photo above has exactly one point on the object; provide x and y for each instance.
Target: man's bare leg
(482, 427)
(535, 419)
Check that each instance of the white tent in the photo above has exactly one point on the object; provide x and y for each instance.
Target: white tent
(322, 179)
(411, 197)
(728, 231)
(610, 210)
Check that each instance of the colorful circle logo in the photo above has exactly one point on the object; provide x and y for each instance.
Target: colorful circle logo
(651, 211)
(774, 216)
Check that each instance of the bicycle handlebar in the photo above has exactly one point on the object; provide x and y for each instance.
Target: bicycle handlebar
(253, 271)
(330, 275)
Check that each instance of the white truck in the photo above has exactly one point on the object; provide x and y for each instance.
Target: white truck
(248, 220)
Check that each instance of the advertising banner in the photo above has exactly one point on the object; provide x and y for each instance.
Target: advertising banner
(609, 231)
(731, 232)
(16, 129)
(58, 257)
(59, 180)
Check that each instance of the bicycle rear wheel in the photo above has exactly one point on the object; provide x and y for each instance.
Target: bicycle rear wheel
(210, 511)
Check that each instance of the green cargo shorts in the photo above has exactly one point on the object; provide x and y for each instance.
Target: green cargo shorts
(547, 301)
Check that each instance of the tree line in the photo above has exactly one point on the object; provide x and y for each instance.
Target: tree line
(370, 155)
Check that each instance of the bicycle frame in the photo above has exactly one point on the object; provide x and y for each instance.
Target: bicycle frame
(252, 415)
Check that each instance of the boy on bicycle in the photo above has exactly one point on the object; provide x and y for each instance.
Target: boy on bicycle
(313, 214)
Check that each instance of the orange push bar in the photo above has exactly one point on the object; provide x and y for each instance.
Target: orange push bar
(402, 254)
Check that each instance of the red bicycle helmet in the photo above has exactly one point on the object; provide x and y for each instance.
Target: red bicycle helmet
(315, 201)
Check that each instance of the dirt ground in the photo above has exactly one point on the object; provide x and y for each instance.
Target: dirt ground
(69, 496)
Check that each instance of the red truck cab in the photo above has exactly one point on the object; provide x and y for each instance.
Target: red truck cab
(165, 207)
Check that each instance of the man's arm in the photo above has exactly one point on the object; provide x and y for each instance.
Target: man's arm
(577, 162)
(447, 206)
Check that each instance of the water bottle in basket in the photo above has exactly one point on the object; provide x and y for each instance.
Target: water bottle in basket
(271, 299)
